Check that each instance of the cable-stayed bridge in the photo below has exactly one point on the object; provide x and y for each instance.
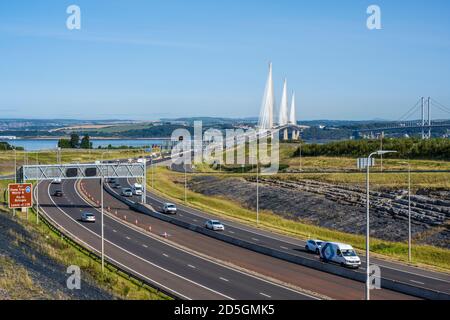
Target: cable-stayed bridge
(286, 120)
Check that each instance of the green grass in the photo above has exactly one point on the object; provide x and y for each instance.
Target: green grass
(65, 253)
(170, 184)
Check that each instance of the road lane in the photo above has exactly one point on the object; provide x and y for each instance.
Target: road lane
(204, 278)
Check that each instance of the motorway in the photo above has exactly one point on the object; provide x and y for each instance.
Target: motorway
(303, 278)
(195, 266)
(151, 258)
(389, 270)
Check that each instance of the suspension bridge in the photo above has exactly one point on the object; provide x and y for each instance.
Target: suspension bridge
(422, 110)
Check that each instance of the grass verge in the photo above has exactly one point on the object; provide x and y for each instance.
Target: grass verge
(67, 253)
(171, 185)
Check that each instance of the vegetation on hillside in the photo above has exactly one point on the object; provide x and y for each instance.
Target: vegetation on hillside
(411, 148)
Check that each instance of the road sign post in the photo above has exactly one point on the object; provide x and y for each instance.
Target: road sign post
(20, 195)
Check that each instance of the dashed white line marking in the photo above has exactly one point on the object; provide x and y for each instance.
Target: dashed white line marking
(255, 239)
(416, 281)
(165, 255)
(114, 230)
(180, 214)
(195, 220)
(224, 279)
(285, 248)
(231, 231)
(145, 246)
(265, 295)
(128, 237)
(191, 266)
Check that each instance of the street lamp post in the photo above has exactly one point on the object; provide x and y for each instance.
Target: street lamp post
(379, 152)
(257, 191)
(409, 211)
(103, 235)
(185, 183)
(37, 189)
(15, 165)
(300, 155)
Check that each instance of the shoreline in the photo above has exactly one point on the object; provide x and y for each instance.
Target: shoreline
(90, 138)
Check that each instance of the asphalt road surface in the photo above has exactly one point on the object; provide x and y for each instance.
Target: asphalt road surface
(151, 258)
(389, 270)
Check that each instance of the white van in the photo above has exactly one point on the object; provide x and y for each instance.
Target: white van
(137, 189)
(340, 253)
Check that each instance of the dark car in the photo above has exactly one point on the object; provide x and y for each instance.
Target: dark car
(58, 193)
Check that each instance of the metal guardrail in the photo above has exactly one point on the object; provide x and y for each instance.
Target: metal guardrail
(109, 265)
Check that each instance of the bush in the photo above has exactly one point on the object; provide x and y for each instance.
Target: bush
(412, 148)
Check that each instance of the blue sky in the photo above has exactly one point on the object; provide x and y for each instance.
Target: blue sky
(150, 59)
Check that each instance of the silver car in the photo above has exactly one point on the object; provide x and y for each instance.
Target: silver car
(313, 245)
(87, 217)
(169, 208)
(127, 192)
(215, 225)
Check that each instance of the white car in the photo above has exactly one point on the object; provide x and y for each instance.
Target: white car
(87, 217)
(169, 208)
(313, 245)
(137, 189)
(127, 192)
(340, 253)
(215, 225)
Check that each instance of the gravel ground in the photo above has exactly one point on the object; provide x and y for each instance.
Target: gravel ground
(27, 273)
(339, 208)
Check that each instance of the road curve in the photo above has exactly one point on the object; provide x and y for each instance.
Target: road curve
(389, 270)
(153, 259)
(325, 284)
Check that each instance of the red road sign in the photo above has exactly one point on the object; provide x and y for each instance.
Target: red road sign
(20, 195)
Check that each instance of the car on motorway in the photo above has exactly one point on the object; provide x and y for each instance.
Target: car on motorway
(127, 192)
(87, 217)
(340, 253)
(56, 181)
(313, 245)
(58, 193)
(215, 225)
(169, 208)
(137, 189)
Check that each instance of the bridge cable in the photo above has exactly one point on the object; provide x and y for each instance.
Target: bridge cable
(406, 115)
(440, 105)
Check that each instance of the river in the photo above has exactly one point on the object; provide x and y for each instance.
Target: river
(46, 144)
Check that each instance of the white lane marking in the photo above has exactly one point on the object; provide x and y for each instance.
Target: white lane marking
(209, 261)
(195, 220)
(241, 227)
(180, 214)
(255, 239)
(114, 230)
(416, 281)
(145, 246)
(128, 237)
(165, 255)
(134, 255)
(191, 266)
(265, 295)
(224, 279)
(107, 256)
(285, 248)
(231, 231)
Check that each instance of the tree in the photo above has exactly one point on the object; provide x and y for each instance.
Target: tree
(64, 143)
(74, 140)
(85, 143)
